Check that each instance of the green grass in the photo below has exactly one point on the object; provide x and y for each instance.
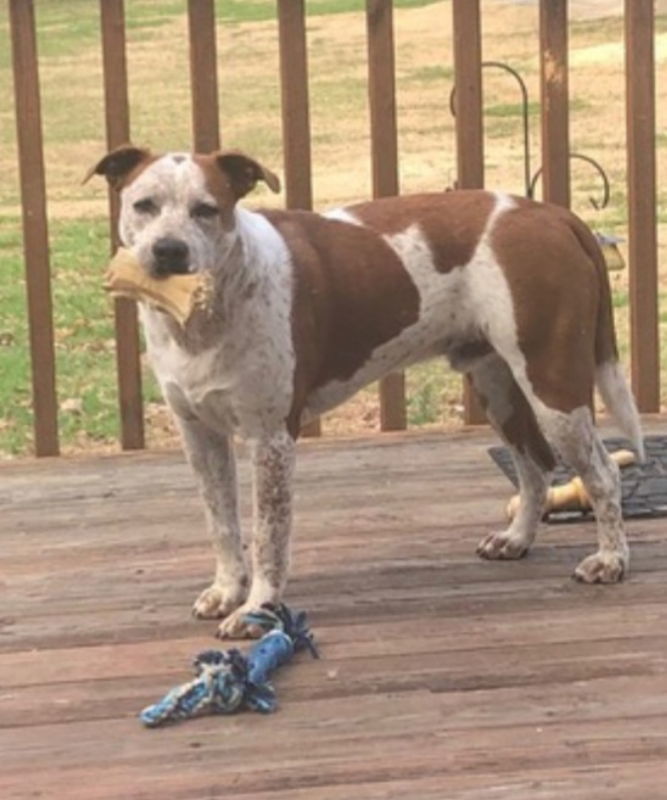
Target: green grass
(15, 398)
(620, 299)
(598, 30)
(502, 110)
(66, 27)
(430, 72)
(425, 391)
(260, 10)
(83, 332)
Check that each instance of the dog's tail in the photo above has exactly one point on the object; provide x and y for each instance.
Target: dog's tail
(618, 399)
(609, 378)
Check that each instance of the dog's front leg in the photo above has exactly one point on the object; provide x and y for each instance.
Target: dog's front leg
(211, 456)
(273, 466)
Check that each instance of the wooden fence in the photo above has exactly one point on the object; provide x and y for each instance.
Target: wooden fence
(639, 29)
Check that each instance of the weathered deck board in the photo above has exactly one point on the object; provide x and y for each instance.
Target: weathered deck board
(443, 677)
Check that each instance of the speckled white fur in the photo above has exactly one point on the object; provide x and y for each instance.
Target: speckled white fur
(231, 373)
(175, 183)
(241, 377)
(473, 298)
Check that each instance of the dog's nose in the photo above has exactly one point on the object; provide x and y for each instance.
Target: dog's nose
(170, 257)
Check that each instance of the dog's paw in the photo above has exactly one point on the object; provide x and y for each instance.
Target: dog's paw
(503, 545)
(217, 601)
(235, 625)
(603, 567)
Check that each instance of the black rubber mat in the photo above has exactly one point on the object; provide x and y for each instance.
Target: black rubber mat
(644, 486)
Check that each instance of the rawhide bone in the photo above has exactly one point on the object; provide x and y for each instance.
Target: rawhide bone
(572, 495)
(177, 295)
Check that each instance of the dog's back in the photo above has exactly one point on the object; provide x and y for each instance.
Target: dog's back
(383, 284)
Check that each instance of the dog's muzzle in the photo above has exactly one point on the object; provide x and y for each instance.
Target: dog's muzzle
(170, 257)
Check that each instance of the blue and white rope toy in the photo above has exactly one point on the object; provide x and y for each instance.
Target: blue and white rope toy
(228, 680)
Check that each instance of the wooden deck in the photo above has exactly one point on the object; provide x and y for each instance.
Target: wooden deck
(443, 677)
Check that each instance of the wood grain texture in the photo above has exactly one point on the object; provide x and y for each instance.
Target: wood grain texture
(554, 102)
(442, 676)
(467, 33)
(203, 75)
(642, 221)
(126, 322)
(295, 103)
(296, 118)
(35, 225)
(384, 162)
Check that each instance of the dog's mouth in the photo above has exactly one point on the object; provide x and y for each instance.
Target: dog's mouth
(180, 296)
(160, 270)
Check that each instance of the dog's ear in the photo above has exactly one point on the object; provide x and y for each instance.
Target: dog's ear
(244, 172)
(117, 165)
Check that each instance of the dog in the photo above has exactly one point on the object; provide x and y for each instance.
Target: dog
(308, 308)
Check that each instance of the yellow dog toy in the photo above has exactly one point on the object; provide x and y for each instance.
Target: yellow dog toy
(178, 295)
(571, 495)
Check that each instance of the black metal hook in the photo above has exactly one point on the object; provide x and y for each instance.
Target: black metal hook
(530, 183)
(605, 181)
(524, 114)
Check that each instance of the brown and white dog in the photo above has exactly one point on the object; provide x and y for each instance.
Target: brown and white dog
(309, 308)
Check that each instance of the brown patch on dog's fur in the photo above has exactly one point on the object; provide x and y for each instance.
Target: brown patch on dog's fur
(230, 175)
(452, 222)
(122, 165)
(520, 428)
(219, 185)
(244, 172)
(342, 309)
(558, 331)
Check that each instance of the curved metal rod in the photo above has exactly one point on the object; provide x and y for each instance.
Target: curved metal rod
(605, 181)
(524, 114)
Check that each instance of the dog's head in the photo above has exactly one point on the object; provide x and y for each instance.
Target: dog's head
(177, 210)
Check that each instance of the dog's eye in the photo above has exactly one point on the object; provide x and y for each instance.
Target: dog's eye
(146, 206)
(204, 211)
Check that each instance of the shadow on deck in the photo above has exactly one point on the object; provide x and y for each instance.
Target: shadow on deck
(442, 677)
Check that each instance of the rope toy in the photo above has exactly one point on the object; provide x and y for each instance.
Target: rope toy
(227, 680)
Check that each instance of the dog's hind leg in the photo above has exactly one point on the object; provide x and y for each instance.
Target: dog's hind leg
(578, 443)
(512, 417)
(211, 456)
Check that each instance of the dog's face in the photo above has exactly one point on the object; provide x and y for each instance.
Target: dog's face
(177, 210)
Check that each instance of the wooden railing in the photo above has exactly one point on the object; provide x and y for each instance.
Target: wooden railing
(467, 24)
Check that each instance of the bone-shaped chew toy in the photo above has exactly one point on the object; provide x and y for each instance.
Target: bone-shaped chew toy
(571, 495)
(178, 295)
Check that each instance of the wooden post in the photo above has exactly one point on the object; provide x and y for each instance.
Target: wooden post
(295, 105)
(469, 131)
(35, 226)
(128, 356)
(643, 267)
(384, 157)
(468, 97)
(203, 75)
(554, 94)
(296, 118)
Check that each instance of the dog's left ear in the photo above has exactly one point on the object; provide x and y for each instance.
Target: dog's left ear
(117, 165)
(244, 172)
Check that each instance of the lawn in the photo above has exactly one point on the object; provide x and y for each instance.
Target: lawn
(71, 86)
